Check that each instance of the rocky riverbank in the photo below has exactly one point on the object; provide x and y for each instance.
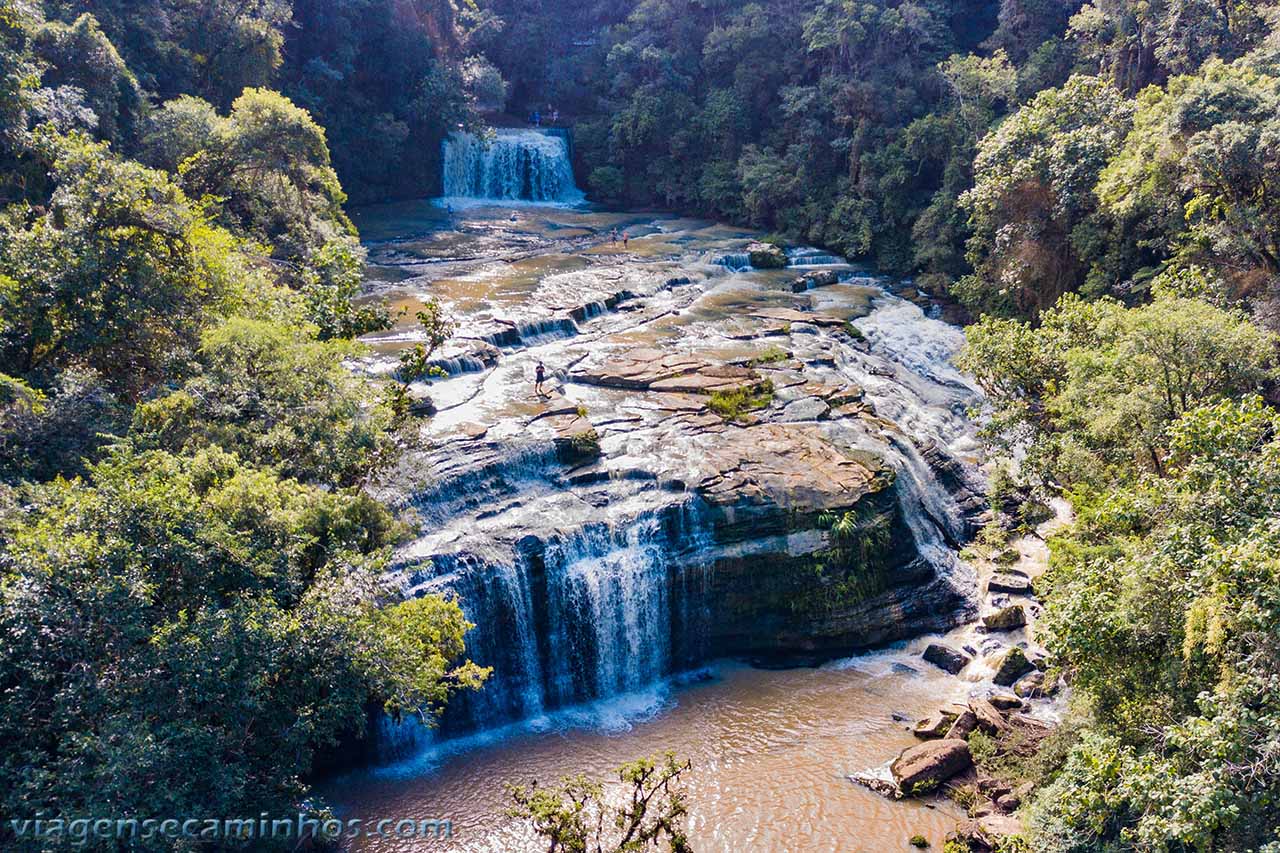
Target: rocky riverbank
(972, 751)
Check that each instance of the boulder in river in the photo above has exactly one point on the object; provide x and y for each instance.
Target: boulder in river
(766, 256)
(985, 833)
(933, 726)
(989, 718)
(1030, 686)
(1011, 666)
(420, 403)
(1016, 584)
(822, 278)
(945, 657)
(925, 766)
(1006, 618)
(805, 409)
(1004, 701)
(879, 780)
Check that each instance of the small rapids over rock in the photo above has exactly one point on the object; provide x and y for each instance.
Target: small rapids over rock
(814, 258)
(736, 262)
(518, 165)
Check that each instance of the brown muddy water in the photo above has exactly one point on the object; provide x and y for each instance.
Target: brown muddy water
(770, 751)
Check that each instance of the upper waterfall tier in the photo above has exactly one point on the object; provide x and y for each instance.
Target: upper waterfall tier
(523, 165)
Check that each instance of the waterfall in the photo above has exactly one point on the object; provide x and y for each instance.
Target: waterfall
(814, 258)
(585, 614)
(525, 333)
(516, 165)
(738, 262)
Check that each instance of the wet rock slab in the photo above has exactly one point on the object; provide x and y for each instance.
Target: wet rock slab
(655, 370)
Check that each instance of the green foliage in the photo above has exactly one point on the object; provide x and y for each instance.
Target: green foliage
(1092, 393)
(82, 65)
(919, 841)
(388, 83)
(436, 328)
(607, 183)
(116, 276)
(270, 393)
(732, 405)
(43, 434)
(330, 287)
(1032, 200)
(576, 816)
(1167, 634)
(264, 172)
(1177, 36)
(484, 83)
(172, 612)
(1194, 172)
(205, 590)
(771, 354)
(266, 169)
(211, 49)
(585, 445)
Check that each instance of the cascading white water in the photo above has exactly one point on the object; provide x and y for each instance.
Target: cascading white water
(588, 616)
(585, 589)
(735, 262)
(515, 165)
(807, 257)
(622, 593)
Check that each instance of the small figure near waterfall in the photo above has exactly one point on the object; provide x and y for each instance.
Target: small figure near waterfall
(539, 376)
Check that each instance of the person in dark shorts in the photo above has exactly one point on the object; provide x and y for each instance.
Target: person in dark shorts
(540, 376)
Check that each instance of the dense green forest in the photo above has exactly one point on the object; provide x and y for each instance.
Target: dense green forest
(189, 563)
(189, 567)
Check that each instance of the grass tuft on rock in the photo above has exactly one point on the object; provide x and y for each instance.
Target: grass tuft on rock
(733, 405)
(771, 355)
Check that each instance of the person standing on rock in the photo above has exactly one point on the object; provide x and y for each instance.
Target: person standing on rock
(539, 376)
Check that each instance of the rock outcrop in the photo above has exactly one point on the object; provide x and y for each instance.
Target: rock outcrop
(766, 256)
(1006, 618)
(1009, 582)
(988, 717)
(1010, 666)
(647, 369)
(926, 766)
(933, 726)
(670, 497)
